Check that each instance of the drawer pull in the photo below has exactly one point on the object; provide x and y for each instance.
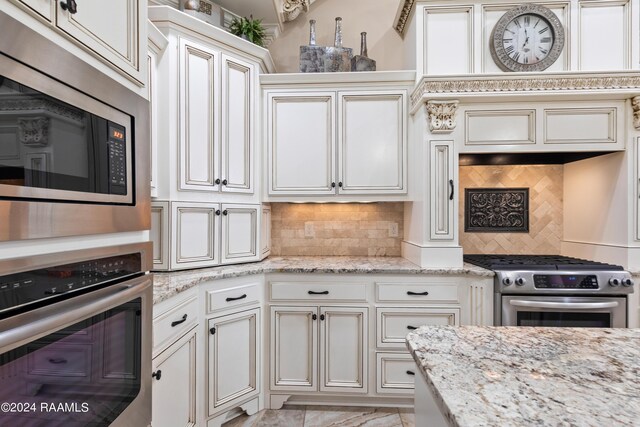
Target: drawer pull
(417, 293)
(57, 360)
(243, 296)
(177, 322)
(412, 328)
(318, 293)
(157, 374)
(410, 373)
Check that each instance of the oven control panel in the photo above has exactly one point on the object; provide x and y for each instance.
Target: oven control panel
(565, 281)
(31, 287)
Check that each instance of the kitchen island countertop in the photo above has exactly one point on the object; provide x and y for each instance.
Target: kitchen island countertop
(168, 284)
(515, 376)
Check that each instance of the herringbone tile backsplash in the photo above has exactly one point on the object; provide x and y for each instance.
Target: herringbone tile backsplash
(326, 229)
(545, 208)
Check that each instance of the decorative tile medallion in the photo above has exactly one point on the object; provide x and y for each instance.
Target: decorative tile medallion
(496, 210)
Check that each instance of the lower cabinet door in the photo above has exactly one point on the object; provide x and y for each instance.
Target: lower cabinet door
(343, 349)
(174, 384)
(294, 348)
(233, 345)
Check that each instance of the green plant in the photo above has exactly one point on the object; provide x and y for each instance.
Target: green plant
(250, 28)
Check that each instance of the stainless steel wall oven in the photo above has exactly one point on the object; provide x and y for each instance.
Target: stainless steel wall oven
(74, 149)
(75, 338)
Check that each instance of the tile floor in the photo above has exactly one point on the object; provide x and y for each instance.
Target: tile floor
(327, 416)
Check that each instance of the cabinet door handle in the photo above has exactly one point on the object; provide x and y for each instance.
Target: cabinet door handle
(314, 317)
(333, 185)
(318, 292)
(57, 360)
(417, 293)
(225, 213)
(157, 374)
(212, 331)
(70, 5)
(224, 182)
(322, 317)
(410, 373)
(340, 184)
(218, 212)
(177, 322)
(411, 328)
(217, 181)
(452, 189)
(243, 296)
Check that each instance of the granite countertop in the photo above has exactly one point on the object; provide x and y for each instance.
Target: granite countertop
(168, 284)
(516, 376)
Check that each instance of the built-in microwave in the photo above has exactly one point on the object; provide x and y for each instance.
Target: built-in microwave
(74, 149)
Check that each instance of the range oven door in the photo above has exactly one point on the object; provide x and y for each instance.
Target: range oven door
(556, 311)
(84, 361)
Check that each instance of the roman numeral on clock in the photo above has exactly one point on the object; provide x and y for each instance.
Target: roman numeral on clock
(543, 50)
(545, 40)
(516, 56)
(544, 30)
(510, 49)
(527, 20)
(537, 22)
(517, 23)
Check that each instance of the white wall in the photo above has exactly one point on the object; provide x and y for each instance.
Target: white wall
(375, 17)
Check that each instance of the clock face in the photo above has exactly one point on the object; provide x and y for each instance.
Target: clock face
(527, 38)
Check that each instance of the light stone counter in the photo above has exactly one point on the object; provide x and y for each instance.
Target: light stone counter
(168, 284)
(523, 376)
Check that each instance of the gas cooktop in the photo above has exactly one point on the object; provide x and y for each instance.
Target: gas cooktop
(537, 262)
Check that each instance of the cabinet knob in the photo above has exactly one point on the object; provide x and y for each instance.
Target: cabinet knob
(217, 181)
(314, 317)
(224, 182)
(225, 213)
(157, 374)
(212, 331)
(333, 185)
(340, 184)
(218, 212)
(322, 317)
(69, 5)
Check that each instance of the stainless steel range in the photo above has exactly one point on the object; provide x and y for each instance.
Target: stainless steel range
(542, 290)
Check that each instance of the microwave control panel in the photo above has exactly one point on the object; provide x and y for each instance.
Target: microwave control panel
(117, 160)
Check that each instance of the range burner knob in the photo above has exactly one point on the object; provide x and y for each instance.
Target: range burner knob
(520, 281)
(507, 282)
(614, 281)
(627, 282)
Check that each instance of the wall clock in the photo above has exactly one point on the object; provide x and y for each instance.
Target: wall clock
(528, 37)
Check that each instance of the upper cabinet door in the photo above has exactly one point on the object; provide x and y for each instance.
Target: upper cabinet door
(110, 28)
(372, 142)
(199, 132)
(44, 8)
(238, 96)
(239, 233)
(301, 140)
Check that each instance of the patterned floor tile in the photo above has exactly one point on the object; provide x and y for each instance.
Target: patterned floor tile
(336, 416)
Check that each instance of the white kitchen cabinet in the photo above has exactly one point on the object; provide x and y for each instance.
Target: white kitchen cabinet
(111, 36)
(265, 232)
(174, 384)
(157, 43)
(343, 138)
(442, 187)
(395, 373)
(111, 31)
(233, 359)
(301, 143)
(203, 234)
(371, 142)
(329, 341)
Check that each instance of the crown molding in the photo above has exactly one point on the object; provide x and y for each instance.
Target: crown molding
(402, 17)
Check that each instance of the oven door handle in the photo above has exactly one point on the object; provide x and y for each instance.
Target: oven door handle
(57, 316)
(565, 305)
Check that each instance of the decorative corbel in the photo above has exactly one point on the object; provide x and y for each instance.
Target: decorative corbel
(33, 131)
(635, 104)
(292, 8)
(441, 116)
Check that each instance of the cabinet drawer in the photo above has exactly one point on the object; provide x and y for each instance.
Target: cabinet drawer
(393, 324)
(61, 360)
(174, 323)
(233, 297)
(396, 373)
(417, 292)
(318, 291)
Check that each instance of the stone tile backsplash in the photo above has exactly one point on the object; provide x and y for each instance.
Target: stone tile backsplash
(326, 229)
(545, 183)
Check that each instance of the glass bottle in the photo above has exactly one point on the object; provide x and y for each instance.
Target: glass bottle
(312, 32)
(363, 44)
(338, 42)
